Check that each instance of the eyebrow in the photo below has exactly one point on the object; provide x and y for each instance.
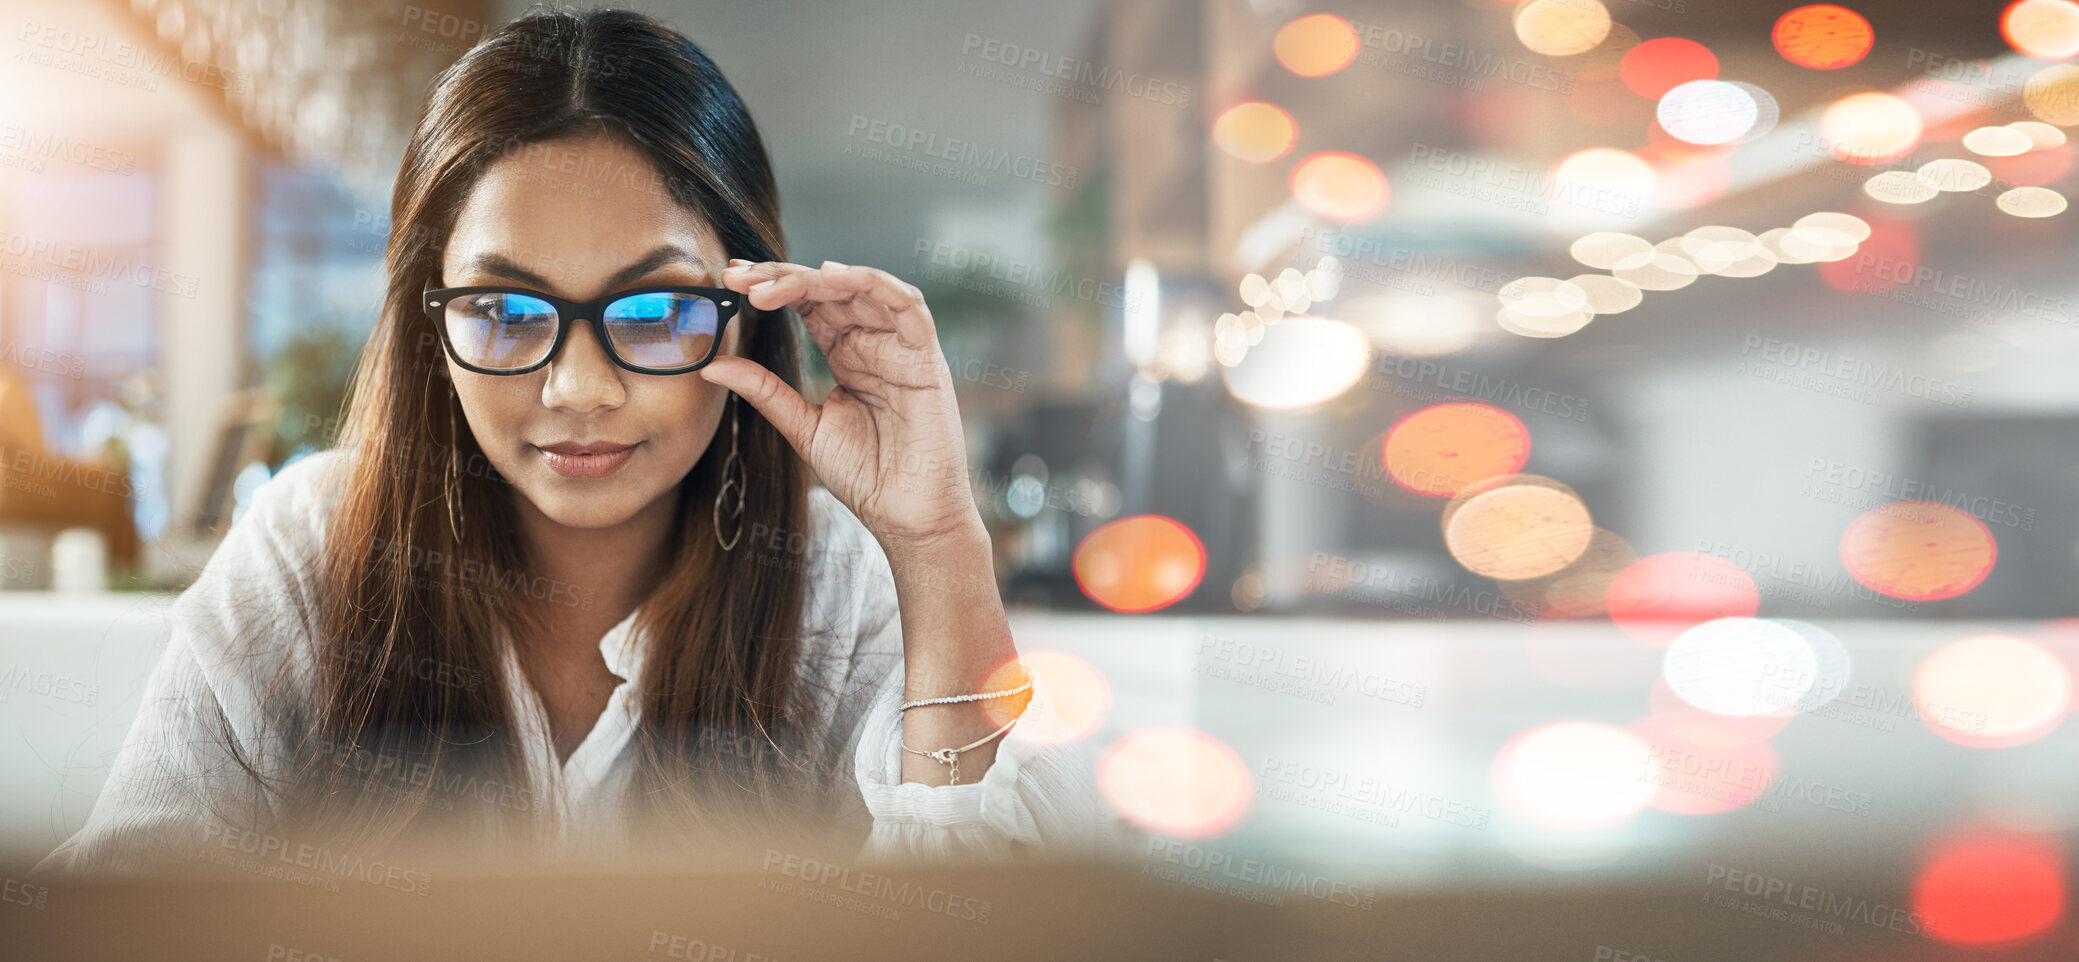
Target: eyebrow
(503, 266)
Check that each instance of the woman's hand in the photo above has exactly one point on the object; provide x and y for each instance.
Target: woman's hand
(887, 440)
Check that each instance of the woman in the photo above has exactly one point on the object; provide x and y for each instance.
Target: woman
(559, 582)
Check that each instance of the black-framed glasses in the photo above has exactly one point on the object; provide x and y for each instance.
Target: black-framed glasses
(512, 330)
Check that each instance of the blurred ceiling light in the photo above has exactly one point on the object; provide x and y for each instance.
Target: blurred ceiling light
(1325, 280)
(1661, 272)
(1255, 132)
(1954, 174)
(1542, 325)
(2032, 202)
(1562, 28)
(1302, 362)
(1707, 112)
(1607, 294)
(1176, 781)
(1657, 66)
(1254, 290)
(1715, 245)
(1414, 325)
(1991, 889)
(1514, 528)
(1870, 127)
(1138, 564)
(1740, 666)
(1766, 111)
(1078, 697)
(1607, 250)
(1602, 183)
(1918, 550)
(1900, 187)
(1340, 186)
(2043, 29)
(1823, 36)
(1143, 313)
(1184, 354)
(2052, 94)
(1315, 45)
(1772, 241)
(1445, 448)
(1542, 307)
(1999, 141)
(1854, 228)
(1574, 775)
(2043, 135)
(1657, 597)
(1992, 691)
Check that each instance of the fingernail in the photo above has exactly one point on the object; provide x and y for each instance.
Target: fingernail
(738, 260)
(835, 266)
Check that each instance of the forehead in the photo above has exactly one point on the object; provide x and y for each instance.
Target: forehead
(575, 211)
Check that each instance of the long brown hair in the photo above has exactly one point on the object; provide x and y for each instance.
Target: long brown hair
(725, 633)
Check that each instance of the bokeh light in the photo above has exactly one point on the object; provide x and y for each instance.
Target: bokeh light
(1516, 527)
(1078, 696)
(1574, 775)
(1298, 363)
(1603, 183)
(2052, 94)
(1655, 67)
(1340, 186)
(2043, 29)
(1255, 131)
(1443, 449)
(1707, 112)
(1657, 597)
(1562, 28)
(1918, 550)
(1740, 667)
(1177, 781)
(1869, 128)
(1823, 36)
(1315, 45)
(1987, 888)
(2031, 202)
(1140, 563)
(1704, 766)
(1992, 691)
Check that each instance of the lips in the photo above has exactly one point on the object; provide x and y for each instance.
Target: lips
(586, 459)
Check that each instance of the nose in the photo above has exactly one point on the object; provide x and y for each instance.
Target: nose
(582, 377)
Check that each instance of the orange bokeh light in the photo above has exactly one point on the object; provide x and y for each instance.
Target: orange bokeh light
(1441, 450)
(1986, 888)
(1870, 128)
(1315, 45)
(1339, 186)
(2043, 29)
(1657, 66)
(1078, 697)
(1140, 563)
(1659, 596)
(1992, 691)
(1918, 550)
(1823, 37)
(1177, 781)
(1255, 131)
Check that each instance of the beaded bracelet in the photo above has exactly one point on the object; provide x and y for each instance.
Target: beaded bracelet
(951, 699)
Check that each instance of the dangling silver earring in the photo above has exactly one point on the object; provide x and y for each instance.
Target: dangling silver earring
(735, 464)
(454, 486)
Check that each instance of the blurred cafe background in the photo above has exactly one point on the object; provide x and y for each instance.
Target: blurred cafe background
(1549, 446)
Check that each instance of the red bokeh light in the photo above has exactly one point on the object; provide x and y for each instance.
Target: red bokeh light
(1657, 66)
(1918, 550)
(1658, 596)
(1989, 888)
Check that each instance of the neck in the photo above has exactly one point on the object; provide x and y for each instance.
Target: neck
(593, 577)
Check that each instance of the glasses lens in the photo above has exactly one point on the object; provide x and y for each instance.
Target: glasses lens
(500, 331)
(662, 330)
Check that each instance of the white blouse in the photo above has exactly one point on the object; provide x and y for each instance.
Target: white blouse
(174, 782)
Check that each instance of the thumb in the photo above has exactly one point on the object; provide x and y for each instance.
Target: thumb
(788, 411)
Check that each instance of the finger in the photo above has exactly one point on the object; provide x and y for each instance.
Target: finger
(807, 288)
(742, 275)
(788, 411)
(903, 301)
